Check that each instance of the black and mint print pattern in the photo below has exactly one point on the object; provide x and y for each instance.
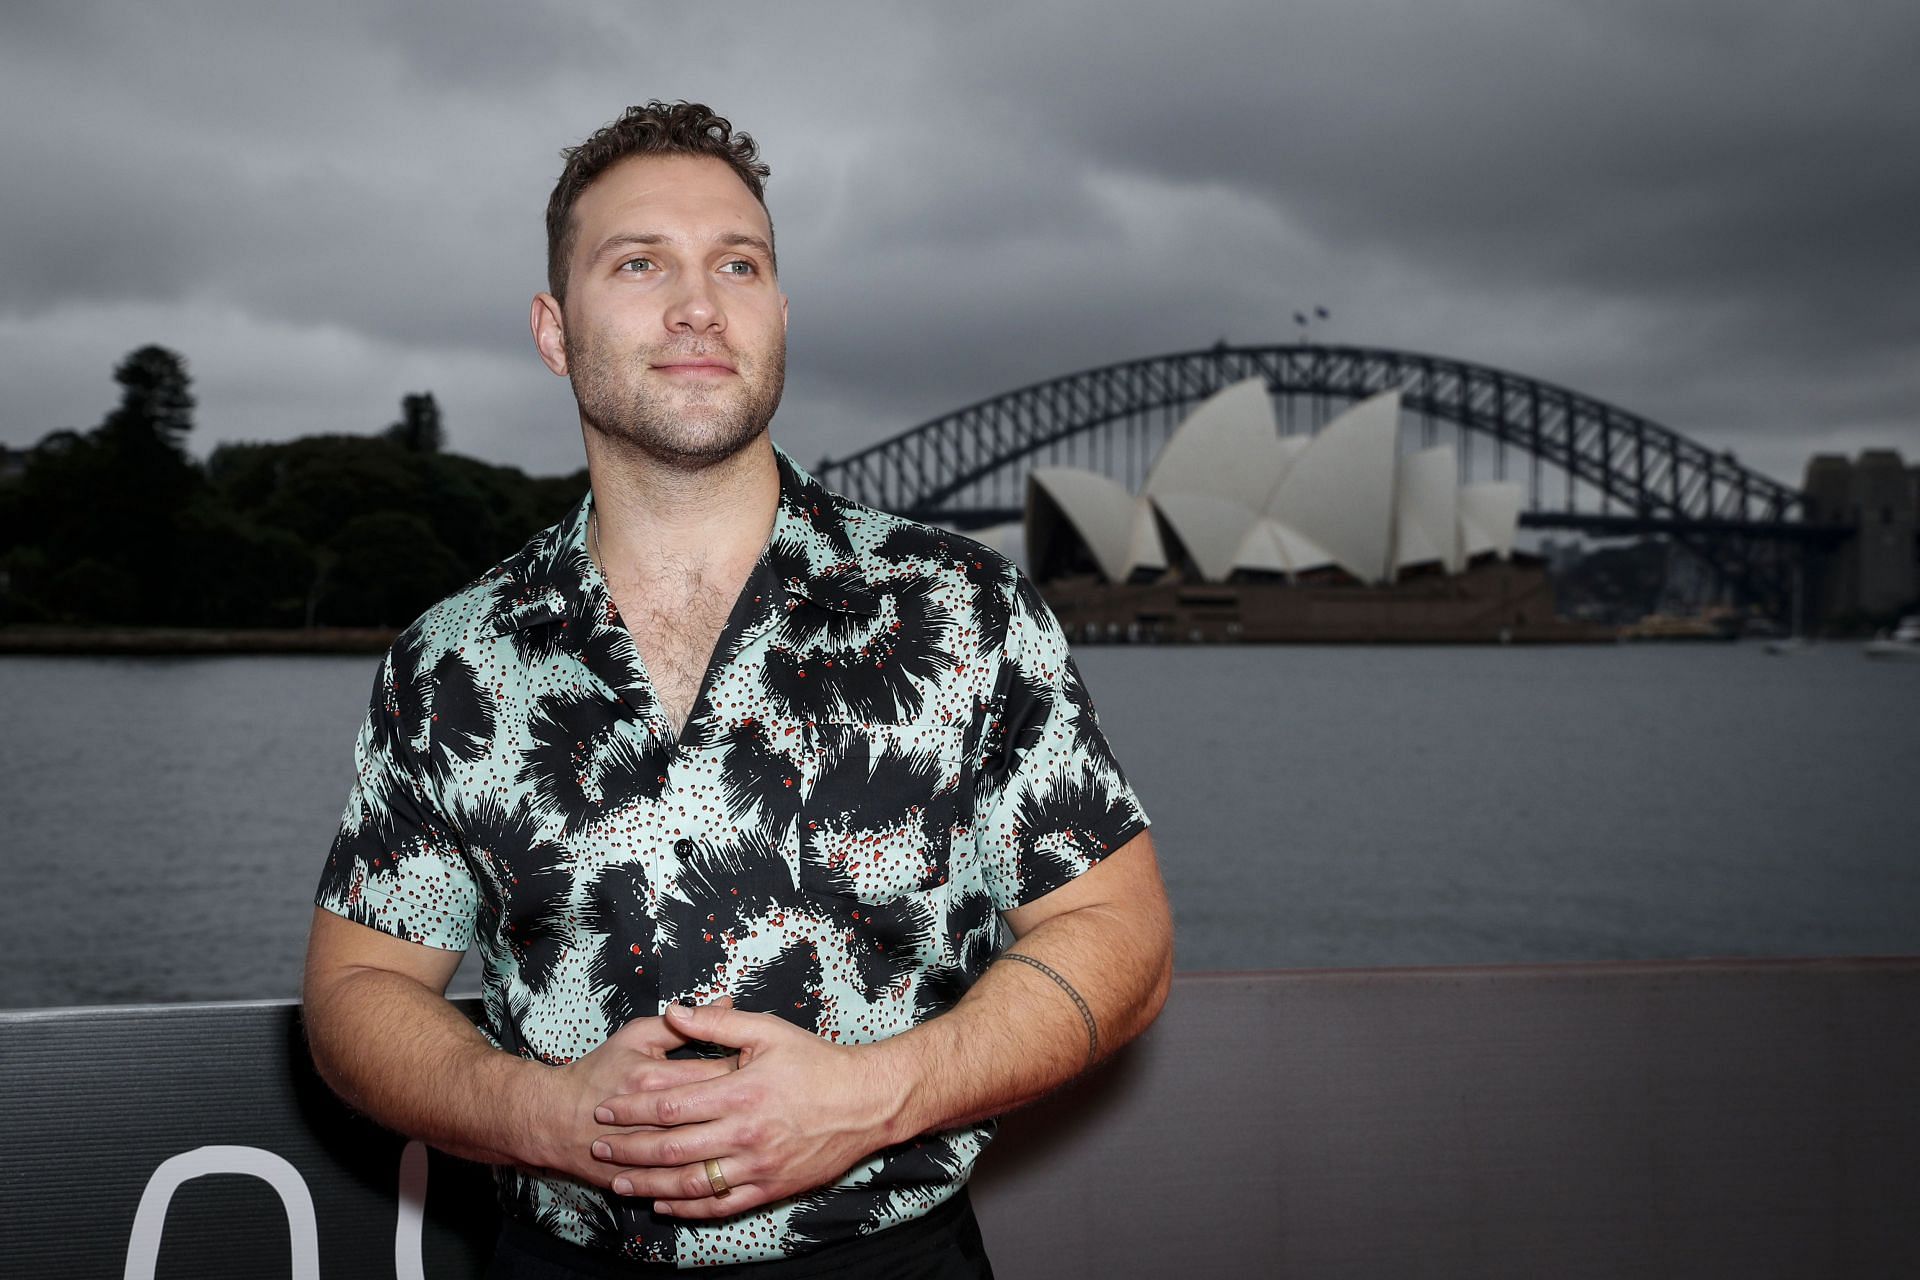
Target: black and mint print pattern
(892, 747)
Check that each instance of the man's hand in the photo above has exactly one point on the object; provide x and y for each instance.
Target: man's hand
(799, 1113)
(633, 1062)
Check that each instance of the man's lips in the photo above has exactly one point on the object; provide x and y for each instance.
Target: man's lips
(696, 368)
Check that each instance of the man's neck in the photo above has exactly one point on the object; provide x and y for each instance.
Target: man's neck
(657, 519)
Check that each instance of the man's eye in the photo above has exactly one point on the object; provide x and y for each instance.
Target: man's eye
(635, 261)
(749, 268)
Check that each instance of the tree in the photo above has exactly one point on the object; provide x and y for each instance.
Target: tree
(102, 511)
(386, 568)
(419, 429)
(121, 524)
(145, 482)
(156, 403)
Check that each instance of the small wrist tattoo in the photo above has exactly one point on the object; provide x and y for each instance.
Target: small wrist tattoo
(1086, 1014)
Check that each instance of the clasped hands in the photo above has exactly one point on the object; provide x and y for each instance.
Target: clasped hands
(788, 1112)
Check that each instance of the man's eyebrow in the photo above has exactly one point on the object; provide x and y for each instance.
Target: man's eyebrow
(741, 238)
(623, 239)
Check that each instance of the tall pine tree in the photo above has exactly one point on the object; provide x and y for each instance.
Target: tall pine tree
(143, 482)
(419, 429)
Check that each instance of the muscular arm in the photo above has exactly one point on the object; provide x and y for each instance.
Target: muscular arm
(1019, 1033)
(386, 1039)
(802, 1111)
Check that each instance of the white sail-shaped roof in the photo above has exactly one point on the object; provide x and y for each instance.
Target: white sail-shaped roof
(1004, 538)
(1425, 523)
(1098, 509)
(1144, 548)
(1211, 528)
(1237, 496)
(1338, 492)
(1260, 549)
(1117, 527)
(1272, 546)
(1291, 447)
(1227, 447)
(1302, 552)
(1489, 518)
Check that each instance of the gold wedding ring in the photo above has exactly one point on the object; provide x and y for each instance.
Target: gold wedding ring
(716, 1179)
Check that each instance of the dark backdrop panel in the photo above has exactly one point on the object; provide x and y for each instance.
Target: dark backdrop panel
(1745, 1119)
(1741, 1119)
(98, 1099)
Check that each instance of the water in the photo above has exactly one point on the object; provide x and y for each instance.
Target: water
(167, 817)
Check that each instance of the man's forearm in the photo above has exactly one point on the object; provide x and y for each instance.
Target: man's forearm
(406, 1057)
(1020, 1032)
(1089, 970)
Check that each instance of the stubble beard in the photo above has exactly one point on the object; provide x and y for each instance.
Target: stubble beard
(702, 425)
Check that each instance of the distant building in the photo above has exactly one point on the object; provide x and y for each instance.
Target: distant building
(1228, 499)
(1876, 573)
(1241, 533)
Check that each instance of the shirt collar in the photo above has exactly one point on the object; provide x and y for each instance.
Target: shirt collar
(808, 553)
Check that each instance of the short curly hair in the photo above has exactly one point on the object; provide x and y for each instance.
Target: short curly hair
(657, 128)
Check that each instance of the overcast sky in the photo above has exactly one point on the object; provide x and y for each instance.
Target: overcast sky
(1705, 211)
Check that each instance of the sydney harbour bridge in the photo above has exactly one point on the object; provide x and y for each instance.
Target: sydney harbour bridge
(1585, 464)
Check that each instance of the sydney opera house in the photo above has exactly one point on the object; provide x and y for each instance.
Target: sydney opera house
(1240, 533)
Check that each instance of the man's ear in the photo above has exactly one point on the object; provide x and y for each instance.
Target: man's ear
(550, 332)
(783, 313)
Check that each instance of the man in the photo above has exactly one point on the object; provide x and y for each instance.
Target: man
(733, 782)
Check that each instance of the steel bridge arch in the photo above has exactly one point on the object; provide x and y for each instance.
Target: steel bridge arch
(1658, 478)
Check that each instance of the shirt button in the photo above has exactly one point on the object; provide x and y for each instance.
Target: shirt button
(683, 846)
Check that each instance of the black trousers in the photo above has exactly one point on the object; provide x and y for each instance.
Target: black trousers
(943, 1244)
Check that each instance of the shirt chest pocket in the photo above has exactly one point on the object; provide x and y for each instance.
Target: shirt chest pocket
(879, 808)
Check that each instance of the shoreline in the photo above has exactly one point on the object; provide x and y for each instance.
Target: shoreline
(105, 641)
(187, 641)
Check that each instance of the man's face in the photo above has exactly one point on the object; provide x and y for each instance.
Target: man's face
(674, 329)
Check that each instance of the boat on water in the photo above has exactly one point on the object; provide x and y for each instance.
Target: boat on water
(1796, 641)
(1904, 642)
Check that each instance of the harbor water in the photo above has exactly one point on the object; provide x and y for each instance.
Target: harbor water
(166, 818)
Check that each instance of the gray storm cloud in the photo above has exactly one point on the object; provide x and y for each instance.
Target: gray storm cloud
(1699, 213)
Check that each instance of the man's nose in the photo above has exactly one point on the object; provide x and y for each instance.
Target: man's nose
(695, 307)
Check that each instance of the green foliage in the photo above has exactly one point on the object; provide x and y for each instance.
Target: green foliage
(419, 429)
(90, 588)
(23, 565)
(242, 573)
(156, 404)
(311, 486)
(105, 507)
(120, 525)
(389, 567)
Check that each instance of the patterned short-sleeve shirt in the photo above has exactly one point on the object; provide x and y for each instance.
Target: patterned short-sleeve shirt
(891, 747)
